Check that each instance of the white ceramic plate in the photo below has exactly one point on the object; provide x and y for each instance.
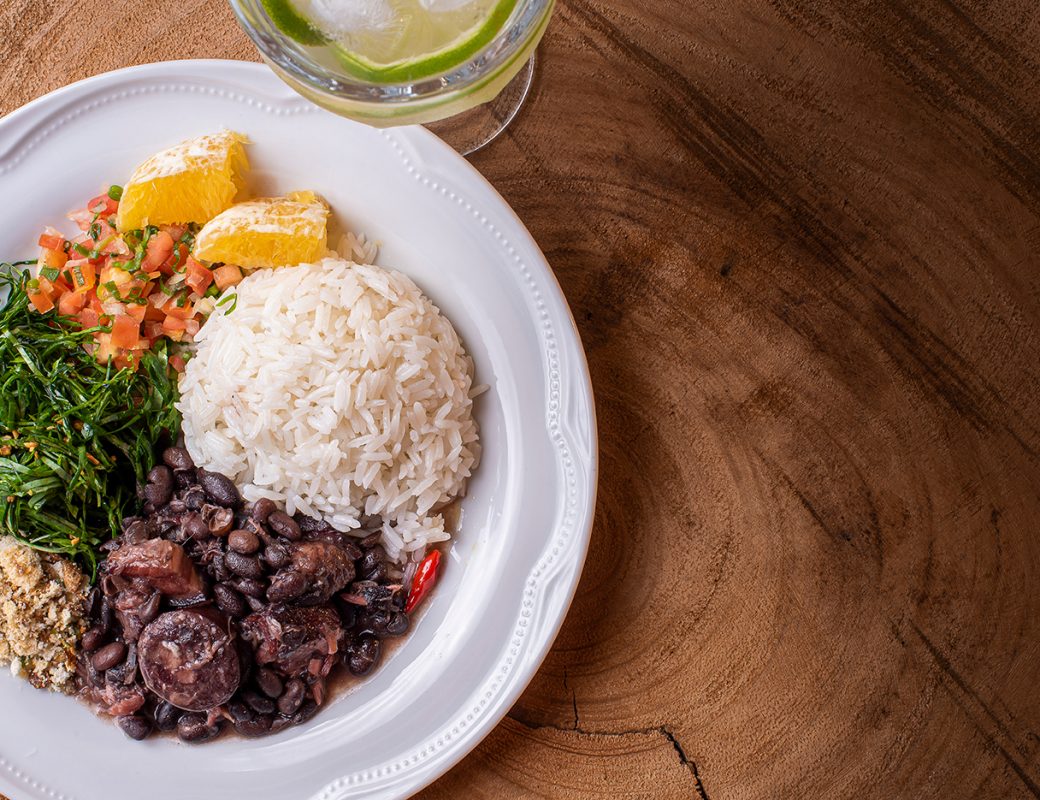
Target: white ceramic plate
(526, 521)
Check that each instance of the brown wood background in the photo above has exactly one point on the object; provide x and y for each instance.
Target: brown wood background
(800, 240)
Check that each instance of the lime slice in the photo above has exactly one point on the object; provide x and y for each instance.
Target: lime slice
(291, 22)
(392, 41)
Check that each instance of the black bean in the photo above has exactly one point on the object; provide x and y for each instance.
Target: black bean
(177, 458)
(284, 525)
(239, 711)
(229, 601)
(269, 683)
(183, 478)
(398, 625)
(246, 566)
(149, 609)
(195, 527)
(173, 509)
(166, 716)
(135, 533)
(290, 701)
(378, 573)
(256, 603)
(92, 639)
(92, 603)
(219, 569)
(262, 509)
(372, 559)
(257, 702)
(251, 587)
(219, 488)
(254, 727)
(218, 519)
(136, 726)
(193, 728)
(108, 656)
(309, 524)
(194, 498)
(347, 612)
(371, 540)
(160, 485)
(307, 710)
(244, 542)
(363, 655)
(280, 723)
(287, 585)
(276, 555)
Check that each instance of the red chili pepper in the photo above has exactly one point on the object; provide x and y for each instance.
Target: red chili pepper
(425, 578)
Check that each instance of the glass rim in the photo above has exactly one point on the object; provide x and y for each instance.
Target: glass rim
(287, 55)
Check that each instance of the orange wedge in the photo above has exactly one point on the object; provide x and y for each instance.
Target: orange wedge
(191, 182)
(267, 232)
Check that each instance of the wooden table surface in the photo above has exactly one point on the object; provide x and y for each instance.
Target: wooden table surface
(800, 241)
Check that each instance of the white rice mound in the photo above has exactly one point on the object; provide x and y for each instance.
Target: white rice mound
(338, 390)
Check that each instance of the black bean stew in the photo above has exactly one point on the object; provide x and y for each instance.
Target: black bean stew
(211, 614)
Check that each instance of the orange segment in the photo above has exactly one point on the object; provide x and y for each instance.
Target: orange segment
(191, 182)
(267, 232)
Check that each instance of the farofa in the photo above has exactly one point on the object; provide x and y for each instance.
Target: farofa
(41, 615)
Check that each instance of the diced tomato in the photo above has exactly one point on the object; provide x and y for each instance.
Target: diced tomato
(176, 261)
(71, 303)
(52, 241)
(153, 330)
(191, 326)
(103, 205)
(172, 309)
(137, 311)
(82, 274)
(53, 258)
(157, 253)
(199, 276)
(177, 363)
(41, 294)
(153, 313)
(88, 317)
(125, 331)
(105, 349)
(227, 275)
(173, 328)
(175, 231)
(129, 360)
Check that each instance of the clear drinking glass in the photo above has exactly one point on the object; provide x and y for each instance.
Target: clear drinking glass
(467, 103)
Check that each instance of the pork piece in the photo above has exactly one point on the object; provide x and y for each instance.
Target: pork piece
(189, 660)
(316, 571)
(294, 640)
(161, 564)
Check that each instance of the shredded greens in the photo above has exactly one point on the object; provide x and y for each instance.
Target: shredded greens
(75, 435)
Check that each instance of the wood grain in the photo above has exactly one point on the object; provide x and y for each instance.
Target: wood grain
(800, 240)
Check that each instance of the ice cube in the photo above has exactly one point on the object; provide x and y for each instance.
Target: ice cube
(345, 16)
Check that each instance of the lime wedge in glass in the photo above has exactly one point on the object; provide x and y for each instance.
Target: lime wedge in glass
(390, 41)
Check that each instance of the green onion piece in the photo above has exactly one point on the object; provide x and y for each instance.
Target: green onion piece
(115, 192)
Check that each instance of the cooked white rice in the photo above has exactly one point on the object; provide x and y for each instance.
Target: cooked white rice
(340, 391)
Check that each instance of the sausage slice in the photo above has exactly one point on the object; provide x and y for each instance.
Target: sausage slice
(189, 660)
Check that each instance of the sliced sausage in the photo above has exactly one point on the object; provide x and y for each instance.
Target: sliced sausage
(189, 660)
